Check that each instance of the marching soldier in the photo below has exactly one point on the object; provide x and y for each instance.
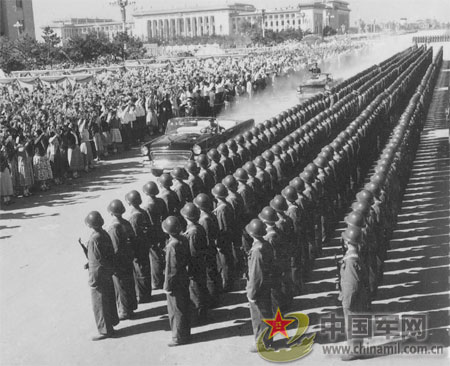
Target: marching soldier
(259, 284)
(197, 240)
(140, 222)
(122, 237)
(157, 212)
(176, 284)
(100, 255)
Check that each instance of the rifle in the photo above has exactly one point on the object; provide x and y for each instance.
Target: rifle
(338, 274)
(83, 247)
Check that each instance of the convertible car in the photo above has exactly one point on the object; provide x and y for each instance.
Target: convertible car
(187, 137)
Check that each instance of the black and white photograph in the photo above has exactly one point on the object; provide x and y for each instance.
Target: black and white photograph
(221, 183)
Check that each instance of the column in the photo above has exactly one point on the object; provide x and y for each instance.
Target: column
(194, 27)
(177, 27)
(199, 27)
(211, 26)
(185, 24)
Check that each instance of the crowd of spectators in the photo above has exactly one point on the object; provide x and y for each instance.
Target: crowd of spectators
(51, 133)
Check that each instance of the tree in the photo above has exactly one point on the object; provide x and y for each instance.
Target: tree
(328, 31)
(51, 41)
(127, 47)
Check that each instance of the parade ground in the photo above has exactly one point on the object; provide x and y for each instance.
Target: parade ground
(45, 310)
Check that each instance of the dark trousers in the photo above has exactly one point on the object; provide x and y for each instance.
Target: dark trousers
(199, 297)
(104, 306)
(178, 310)
(213, 279)
(125, 293)
(259, 310)
(143, 279)
(226, 267)
(157, 267)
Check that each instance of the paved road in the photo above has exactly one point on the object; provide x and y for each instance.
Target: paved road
(45, 310)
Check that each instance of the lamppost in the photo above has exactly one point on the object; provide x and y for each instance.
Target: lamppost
(263, 20)
(18, 25)
(122, 4)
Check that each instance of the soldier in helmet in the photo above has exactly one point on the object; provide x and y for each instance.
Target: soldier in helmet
(180, 187)
(264, 177)
(247, 194)
(193, 181)
(140, 222)
(211, 226)
(235, 158)
(269, 157)
(176, 284)
(123, 240)
(281, 265)
(242, 150)
(205, 173)
(216, 168)
(198, 245)
(157, 212)
(169, 197)
(225, 219)
(259, 284)
(353, 293)
(279, 165)
(285, 226)
(254, 184)
(225, 160)
(294, 213)
(100, 254)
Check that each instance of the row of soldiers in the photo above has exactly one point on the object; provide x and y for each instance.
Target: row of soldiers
(373, 216)
(205, 198)
(432, 38)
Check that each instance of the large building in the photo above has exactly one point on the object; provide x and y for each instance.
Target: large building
(66, 29)
(16, 18)
(312, 16)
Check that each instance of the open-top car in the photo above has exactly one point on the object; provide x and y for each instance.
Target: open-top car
(187, 137)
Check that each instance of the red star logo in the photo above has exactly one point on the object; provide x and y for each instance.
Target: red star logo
(278, 325)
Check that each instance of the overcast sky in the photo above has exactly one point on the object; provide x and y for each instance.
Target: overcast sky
(47, 10)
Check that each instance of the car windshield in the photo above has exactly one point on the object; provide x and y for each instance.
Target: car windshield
(178, 126)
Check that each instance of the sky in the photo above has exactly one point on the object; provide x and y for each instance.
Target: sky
(380, 10)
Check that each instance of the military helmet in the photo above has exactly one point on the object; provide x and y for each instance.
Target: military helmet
(241, 175)
(165, 180)
(278, 203)
(260, 162)
(364, 195)
(203, 161)
(171, 225)
(220, 191)
(250, 168)
(150, 189)
(179, 173)
(268, 155)
(373, 188)
(248, 135)
(239, 139)
(289, 139)
(378, 178)
(353, 235)
(307, 176)
(320, 162)
(276, 149)
(223, 149)
(355, 218)
(94, 220)
(133, 198)
(116, 207)
(255, 131)
(232, 145)
(192, 167)
(190, 211)
(229, 181)
(290, 193)
(267, 124)
(214, 155)
(361, 206)
(203, 202)
(256, 228)
(269, 215)
(284, 144)
(312, 168)
(298, 184)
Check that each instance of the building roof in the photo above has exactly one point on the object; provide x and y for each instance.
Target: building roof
(230, 7)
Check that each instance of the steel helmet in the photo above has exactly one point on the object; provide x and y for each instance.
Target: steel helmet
(190, 211)
(250, 168)
(214, 155)
(165, 180)
(353, 235)
(355, 218)
(268, 156)
(94, 220)
(256, 228)
(298, 184)
(290, 193)
(150, 189)
(241, 175)
(133, 198)
(203, 161)
(278, 203)
(220, 191)
(171, 225)
(116, 207)
(192, 167)
(203, 202)
(179, 173)
(269, 215)
(260, 162)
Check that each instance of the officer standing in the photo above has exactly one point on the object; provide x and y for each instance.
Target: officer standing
(157, 212)
(140, 222)
(176, 284)
(259, 285)
(353, 292)
(100, 254)
(196, 237)
(122, 237)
